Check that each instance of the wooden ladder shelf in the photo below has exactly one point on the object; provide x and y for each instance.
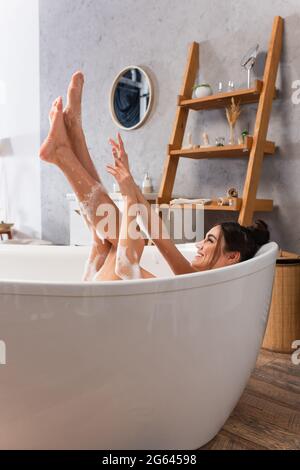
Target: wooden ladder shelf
(255, 147)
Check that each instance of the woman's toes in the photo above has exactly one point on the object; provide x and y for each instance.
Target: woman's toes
(59, 104)
(53, 109)
(78, 78)
(75, 90)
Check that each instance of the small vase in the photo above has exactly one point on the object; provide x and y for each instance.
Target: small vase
(232, 136)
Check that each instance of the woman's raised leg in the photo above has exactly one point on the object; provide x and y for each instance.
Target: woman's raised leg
(73, 121)
(95, 202)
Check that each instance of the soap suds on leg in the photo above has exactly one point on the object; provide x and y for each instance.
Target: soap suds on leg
(125, 267)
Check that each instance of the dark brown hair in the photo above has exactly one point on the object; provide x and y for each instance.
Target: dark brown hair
(246, 240)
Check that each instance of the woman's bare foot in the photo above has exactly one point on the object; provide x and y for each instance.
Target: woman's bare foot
(72, 111)
(57, 142)
(72, 118)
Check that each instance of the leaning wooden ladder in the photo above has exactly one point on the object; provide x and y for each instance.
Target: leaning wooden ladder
(254, 147)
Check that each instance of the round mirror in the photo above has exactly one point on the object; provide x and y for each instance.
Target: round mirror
(131, 98)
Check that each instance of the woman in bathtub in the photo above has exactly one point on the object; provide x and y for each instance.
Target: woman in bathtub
(117, 243)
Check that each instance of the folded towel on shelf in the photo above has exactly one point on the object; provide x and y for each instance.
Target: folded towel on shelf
(25, 241)
(182, 200)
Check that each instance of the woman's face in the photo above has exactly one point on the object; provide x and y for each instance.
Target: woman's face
(206, 251)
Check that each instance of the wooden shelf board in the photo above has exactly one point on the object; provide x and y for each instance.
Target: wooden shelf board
(228, 151)
(262, 205)
(221, 100)
(208, 207)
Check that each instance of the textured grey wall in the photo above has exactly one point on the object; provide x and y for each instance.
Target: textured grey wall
(101, 37)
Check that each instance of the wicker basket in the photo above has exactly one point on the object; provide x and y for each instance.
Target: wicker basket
(284, 320)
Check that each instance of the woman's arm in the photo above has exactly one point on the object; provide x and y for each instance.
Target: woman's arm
(153, 222)
(156, 227)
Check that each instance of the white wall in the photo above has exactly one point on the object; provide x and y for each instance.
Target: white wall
(101, 37)
(19, 114)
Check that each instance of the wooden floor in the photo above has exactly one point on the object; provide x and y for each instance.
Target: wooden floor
(268, 414)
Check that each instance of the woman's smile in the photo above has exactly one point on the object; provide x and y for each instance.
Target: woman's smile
(206, 249)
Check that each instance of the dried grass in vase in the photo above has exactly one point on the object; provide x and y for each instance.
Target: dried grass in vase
(232, 113)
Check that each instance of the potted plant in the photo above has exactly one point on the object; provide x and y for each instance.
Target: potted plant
(202, 90)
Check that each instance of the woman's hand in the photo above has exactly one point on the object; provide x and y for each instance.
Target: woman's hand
(119, 152)
(120, 171)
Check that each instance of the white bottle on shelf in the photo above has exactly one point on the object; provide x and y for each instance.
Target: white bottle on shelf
(147, 185)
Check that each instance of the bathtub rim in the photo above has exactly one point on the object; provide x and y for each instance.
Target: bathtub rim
(180, 282)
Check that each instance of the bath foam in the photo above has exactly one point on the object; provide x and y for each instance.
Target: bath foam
(91, 269)
(81, 209)
(107, 215)
(129, 270)
(90, 199)
(98, 273)
(88, 206)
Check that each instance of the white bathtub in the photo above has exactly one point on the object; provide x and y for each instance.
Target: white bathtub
(151, 364)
